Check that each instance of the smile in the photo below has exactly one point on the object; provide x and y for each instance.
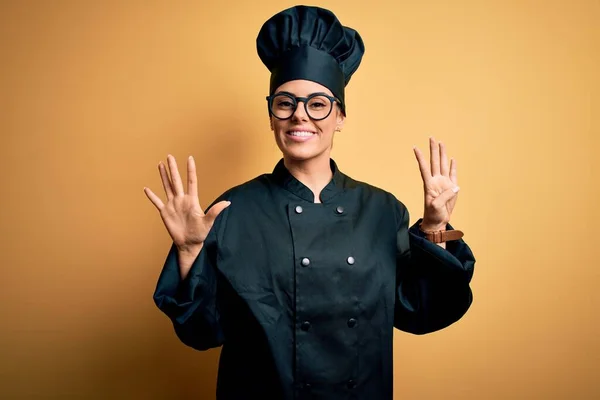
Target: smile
(300, 136)
(300, 133)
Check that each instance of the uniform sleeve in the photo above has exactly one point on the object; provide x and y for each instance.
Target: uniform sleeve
(191, 304)
(432, 283)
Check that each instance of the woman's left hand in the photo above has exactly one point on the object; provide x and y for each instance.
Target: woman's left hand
(440, 185)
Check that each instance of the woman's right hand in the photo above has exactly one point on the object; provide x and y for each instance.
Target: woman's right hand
(183, 217)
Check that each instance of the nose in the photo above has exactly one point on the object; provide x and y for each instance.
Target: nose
(300, 112)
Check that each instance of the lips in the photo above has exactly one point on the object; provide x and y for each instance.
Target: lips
(298, 135)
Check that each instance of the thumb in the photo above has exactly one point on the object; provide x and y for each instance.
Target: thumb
(216, 209)
(445, 197)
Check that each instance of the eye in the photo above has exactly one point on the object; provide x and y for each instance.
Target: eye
(318, 103)
(282, 103)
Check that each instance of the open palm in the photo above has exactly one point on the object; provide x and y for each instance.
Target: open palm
(182, 215)
(440, 185)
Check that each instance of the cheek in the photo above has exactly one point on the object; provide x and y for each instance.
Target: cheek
(275, 125)
(327, 127)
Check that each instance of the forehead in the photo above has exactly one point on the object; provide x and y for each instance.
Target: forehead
(302, 87)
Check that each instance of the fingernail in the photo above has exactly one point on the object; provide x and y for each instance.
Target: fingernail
(456, 189)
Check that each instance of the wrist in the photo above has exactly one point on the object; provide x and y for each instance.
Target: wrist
(189, 252)
(429, 227)
(186, 258)
(186, 249)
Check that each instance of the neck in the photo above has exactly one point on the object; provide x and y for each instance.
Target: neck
(315, 173)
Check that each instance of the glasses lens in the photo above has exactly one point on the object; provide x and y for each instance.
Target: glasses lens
(319, 107)
(283, 106)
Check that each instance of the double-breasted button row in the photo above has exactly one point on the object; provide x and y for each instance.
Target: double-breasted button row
(350, 384)
(305, 261)
(305, 326)
(338, 209)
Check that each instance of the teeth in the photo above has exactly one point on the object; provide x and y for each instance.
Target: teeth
(301, 133)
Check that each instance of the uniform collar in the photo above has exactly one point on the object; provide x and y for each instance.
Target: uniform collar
(285, 179)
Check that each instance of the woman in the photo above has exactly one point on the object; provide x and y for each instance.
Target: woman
(302, 274)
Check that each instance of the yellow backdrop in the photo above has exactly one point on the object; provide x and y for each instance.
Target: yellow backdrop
(93, 96)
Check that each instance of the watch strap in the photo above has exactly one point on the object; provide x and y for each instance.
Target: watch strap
(442, 236)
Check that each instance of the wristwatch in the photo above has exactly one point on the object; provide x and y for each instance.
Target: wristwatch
(442, 236)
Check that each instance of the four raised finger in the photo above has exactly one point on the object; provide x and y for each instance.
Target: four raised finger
(173, 184)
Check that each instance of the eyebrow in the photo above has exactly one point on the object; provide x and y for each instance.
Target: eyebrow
(294, 94)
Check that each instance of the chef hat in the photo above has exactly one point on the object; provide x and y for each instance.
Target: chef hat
(309, 43)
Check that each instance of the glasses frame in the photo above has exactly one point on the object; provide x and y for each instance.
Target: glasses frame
(304, 100)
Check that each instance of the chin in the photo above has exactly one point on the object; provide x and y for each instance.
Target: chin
(301, 151)
(302, 154)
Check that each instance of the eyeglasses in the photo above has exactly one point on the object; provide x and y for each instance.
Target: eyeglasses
(283, 105)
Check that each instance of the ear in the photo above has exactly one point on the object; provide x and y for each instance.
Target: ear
(340, 119)
(271, 123)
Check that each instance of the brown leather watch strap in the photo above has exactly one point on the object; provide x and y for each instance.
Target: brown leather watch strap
(442, 236)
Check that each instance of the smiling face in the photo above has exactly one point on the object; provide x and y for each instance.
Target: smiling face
(300, 138)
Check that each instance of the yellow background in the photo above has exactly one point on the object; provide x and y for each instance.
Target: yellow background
(93, 96)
